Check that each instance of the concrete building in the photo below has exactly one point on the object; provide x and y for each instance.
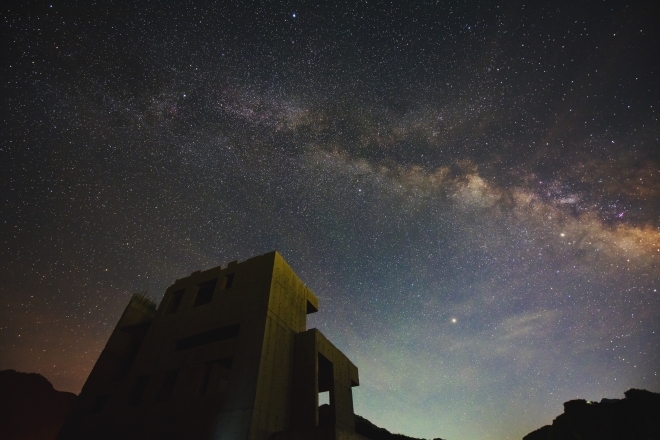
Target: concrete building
(225, 355)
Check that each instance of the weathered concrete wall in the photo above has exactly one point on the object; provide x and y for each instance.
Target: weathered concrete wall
(312, 350)
(220, 358)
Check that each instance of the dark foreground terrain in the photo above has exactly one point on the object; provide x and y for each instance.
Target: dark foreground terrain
(31, 409)
(636, 417)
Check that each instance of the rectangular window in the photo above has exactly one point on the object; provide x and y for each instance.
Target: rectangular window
(215, 376)
(167, 386)
(229, 281)
(175, 300)
(98, 403)
(134, 336)
(215, 335)
(205, 293)
(326, 386)
(137, 392)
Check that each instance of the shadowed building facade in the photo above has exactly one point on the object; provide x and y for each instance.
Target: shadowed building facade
(225, 355)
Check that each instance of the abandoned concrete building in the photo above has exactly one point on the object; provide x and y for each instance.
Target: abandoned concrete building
(225, 355)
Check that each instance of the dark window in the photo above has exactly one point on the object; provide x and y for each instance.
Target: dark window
(311, 308)
(135, 335)
(175, 300)
(215, 377)
(229, 280)
(138, 390)
(218, 334)
(167, 386)
(98, 403)
(326, 374)
(205, 293)
(326, 383)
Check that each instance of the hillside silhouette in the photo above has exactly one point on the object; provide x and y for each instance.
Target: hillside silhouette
(30, 408)
(367, 429)
(636, 417)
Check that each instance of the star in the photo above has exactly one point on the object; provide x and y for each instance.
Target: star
(403, 164)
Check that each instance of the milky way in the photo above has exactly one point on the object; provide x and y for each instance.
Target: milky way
(472, 190)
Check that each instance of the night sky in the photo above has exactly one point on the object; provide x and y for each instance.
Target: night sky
(472, 189)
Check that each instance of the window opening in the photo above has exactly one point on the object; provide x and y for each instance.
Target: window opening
(311, 308)
(175, 301)
(167, 386)
(138, 390)
(229, 280)
(135, 335)
(326, 383)
(215, 335)
(98, 403)
(216, 375)
(205, 293)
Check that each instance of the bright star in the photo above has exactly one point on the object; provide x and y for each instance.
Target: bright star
(453, 320)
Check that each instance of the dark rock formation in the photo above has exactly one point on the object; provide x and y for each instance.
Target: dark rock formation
(367, 429)
(30, 408)
(637, 417)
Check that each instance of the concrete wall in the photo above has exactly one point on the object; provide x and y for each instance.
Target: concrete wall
(227, 361)
(288, 305)
(311, 349)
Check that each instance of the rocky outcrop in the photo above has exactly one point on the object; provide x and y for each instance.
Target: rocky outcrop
(637, 417)
(367, 429)
(30, 408)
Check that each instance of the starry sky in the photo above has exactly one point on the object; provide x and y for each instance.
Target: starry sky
(472, 189)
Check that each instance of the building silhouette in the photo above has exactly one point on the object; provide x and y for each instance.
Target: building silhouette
(225, 355)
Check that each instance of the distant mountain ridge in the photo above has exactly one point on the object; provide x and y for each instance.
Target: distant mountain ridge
(31, 409)
(636, 417)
